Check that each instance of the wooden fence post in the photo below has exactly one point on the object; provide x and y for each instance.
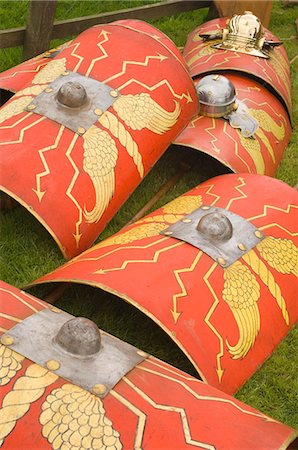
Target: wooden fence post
(38, 33)
(223, 8)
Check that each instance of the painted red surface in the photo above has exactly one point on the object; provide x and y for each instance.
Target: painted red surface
(215, 136)
(43, 163)
(202, 58)
(183, 289)
(155, 406)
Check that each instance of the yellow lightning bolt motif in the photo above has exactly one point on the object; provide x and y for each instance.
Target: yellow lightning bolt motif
(37, 69)
(97, 258)
(205, 397)
(179, 410)
(22, 132)
(104, 55)
(77, 234)
(141, 418)
(19, 299)
(237, 188)
(186, 95)
(131, 261)
(275, 208)
(219, 369)
(215, 139)
(175, 313)
(208, 192)
(41, 152)
(136, 63)
(80, 58)
(226, 125)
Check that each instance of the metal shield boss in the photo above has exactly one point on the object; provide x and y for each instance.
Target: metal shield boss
(245, 128)
(240, 44)
(44, 406)
(78, 139)
(216, 269)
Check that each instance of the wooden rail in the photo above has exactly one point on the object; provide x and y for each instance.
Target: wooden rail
(41, 28)
(65, 28)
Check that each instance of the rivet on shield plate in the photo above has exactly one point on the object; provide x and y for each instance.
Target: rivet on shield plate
(99, 389)
(242, 247)
(114, 94)
(221, 261)
(186, 220)
(31, 107)
(168, 233)
(52, 364)
(258, 234)
(7, 340)
(81, 130)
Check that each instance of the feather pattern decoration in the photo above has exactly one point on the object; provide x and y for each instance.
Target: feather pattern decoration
(242, 292)
(26, 390)
(50, 72)
(258, 266)
(25, 96)
(100, 158)
(116, 128)
(153, 225)
(253, 148)
(10, 364)
(267, 123)
(141, 111)
(74, 419)
(14, 108)
(280, 254)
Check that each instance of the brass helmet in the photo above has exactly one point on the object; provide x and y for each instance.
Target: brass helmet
(217, 98)
(245, 34)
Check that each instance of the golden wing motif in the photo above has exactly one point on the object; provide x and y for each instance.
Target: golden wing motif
(281, 254)
(72, 418)
(144, 230)
(152, 225)
(50, 72)
(242, 292)
(183, 205)
(100, 158)
(14, 107)
(26, 390)
(258, 266)
(267, 123)
(116, 128)
(32, 90)
(253, 148)
(10, 363)
(141, 111)
(206, 50)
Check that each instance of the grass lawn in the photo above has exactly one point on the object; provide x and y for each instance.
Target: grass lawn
(27, 251)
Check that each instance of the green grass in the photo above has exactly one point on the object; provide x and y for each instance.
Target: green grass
(27, 251)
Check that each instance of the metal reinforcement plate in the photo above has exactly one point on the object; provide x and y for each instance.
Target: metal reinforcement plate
(35, 338)
(219, 233)
(77, 114)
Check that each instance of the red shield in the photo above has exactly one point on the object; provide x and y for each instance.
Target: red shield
(74, 182)
(15, 78)
(201, 58)
(41, 410)
(226, 320)
(216, 137)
